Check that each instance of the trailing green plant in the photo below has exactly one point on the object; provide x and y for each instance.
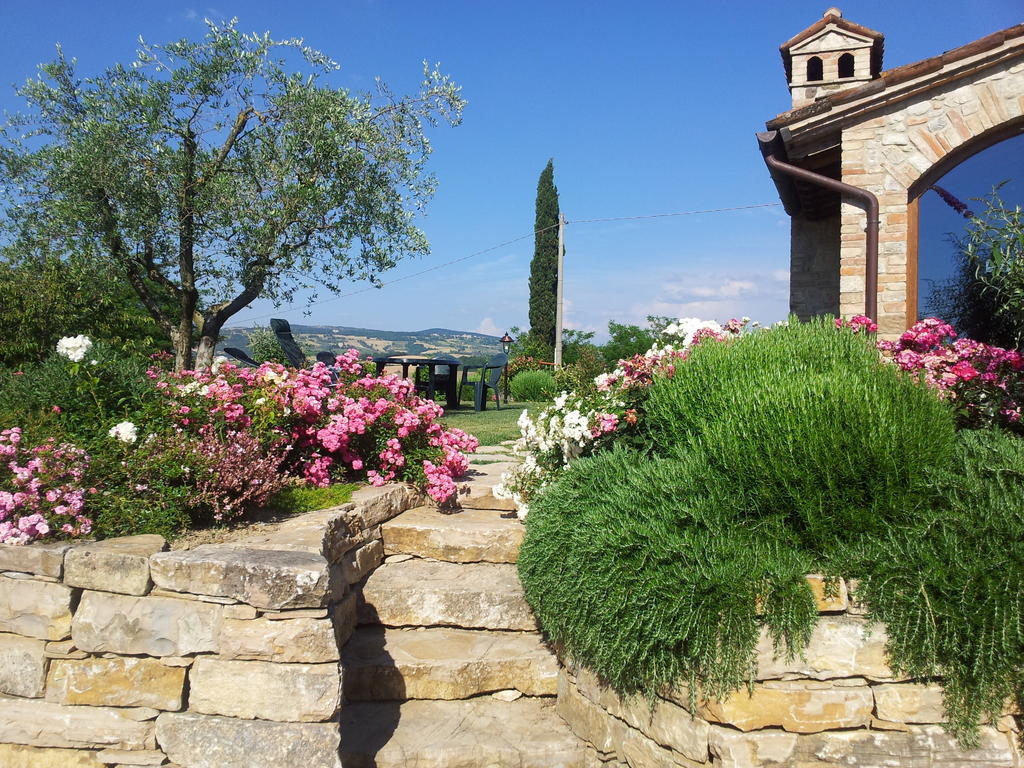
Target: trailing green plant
(532, 386)
(767, 457)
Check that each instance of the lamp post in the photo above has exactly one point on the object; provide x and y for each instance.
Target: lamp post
(506, 347)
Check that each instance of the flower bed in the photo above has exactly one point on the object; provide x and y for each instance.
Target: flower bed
(207, 446)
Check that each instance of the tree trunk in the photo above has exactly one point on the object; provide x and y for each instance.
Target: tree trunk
(204, 354)
(182, 343)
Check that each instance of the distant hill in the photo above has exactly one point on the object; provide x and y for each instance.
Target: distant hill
(338, 338)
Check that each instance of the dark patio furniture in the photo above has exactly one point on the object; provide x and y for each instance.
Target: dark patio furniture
(435, 380)
(490, 378)
(283, 331)
(241, 356)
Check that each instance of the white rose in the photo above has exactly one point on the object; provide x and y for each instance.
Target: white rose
(74, 348)
(124, 431)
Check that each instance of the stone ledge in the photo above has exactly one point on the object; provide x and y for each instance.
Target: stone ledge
(44, 724)
(117, 682)
(113, 565)
(42, 559)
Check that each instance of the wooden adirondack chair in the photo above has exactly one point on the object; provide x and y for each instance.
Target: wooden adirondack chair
(283, 331)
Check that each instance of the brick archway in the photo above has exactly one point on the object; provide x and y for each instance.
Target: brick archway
(894, 136)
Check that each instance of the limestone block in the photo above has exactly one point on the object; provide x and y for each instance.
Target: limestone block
(376, 505)
(926, 745)
(909, 703)
(35, 608)
(22, 666)
(734, 749)
(344, 616)
(796, 707)
(586, 719)
(39, 558)
(20, 756)
(264, 578)
(829, 598)
(265, 691)
(152, 626)
(44, 724)
(113, 565)
(356, 563)
(200, 741)
(64, 649)
(840, 646)
(131, 757)
(116, 682)
(665, 722)
(294, 640)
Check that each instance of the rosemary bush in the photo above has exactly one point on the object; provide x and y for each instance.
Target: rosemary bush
(766, 458)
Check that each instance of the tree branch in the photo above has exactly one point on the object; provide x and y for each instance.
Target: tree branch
(229, 142)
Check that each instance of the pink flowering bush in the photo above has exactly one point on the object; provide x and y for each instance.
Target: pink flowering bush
(985, 382)
(359, 423)
(41, 490)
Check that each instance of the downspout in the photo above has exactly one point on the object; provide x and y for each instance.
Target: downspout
(771, 150)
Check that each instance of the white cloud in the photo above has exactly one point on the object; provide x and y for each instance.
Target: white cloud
(190, 14)
(487, 326)
(730, 288)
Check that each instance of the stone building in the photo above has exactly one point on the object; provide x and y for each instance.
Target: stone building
(860, 139)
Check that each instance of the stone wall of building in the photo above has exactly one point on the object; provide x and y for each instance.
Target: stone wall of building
(120, 653)
(814, 267)
(888, 153)
(837, 705)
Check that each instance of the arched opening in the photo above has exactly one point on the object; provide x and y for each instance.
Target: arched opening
(815, 69)
(943, 203)
(846, 65)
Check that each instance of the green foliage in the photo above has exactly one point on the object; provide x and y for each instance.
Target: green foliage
(985, 299)
(950, 583)
(534, 386)
(765, 458)
(636, 571)
(807, 423)
(579, 375)
(625, 341)
(264, 346)
(45, 298)
(309, 498)
(544, 266)
(220, 170)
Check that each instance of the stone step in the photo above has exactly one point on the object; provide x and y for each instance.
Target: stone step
(445, 663)
(465, 536)
(478, 733)
(428, 593)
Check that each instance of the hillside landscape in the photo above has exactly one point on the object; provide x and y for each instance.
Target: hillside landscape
(336, 338)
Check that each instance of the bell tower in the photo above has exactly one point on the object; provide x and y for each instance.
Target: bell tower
(830, 55)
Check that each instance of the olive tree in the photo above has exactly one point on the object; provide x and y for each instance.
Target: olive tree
(220, 170)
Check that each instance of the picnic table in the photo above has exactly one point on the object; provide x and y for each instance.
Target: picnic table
(451, 386)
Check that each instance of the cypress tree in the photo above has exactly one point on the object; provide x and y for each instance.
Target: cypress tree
(544, 267)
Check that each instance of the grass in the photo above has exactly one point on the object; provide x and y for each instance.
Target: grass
(305, 498)
(491, 426)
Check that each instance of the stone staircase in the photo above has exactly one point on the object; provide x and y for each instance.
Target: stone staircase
(447, 669)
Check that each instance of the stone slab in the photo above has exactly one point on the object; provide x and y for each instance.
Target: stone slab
(117, 682)
(769, 748)
(264, 578)
(113, 565)
(356, 563)
(44, 724)
(263, 690)
(466, 536)
(431, 593)
(42, 559)
(152, 626)
(131, 757)
(922, 747)
(377, 505)
(798, 709)
(527, 733)
(22, 666)
(299, 640)
(202, 741)
(840, 646)
(35, 608)
(445, 663)
(20, 756)
(909, 703)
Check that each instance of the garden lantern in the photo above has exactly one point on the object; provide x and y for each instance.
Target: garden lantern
(506, 347)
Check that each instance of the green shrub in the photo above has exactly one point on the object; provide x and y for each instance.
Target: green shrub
(532, 386)
(807, 422)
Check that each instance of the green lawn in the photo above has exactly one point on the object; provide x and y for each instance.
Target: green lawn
(491, 426)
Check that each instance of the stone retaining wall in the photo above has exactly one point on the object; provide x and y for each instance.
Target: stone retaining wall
(838, 705)
(223, 656)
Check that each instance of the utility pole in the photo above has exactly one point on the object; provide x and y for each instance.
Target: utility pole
(558, 294)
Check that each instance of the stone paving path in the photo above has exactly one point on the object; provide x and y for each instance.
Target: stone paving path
(447, 669)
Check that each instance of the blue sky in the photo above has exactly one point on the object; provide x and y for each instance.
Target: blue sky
(646, 107)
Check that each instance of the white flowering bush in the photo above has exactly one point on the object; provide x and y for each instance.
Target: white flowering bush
(74, 348)
(580, 423)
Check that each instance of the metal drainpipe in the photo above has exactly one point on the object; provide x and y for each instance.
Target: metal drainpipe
(870, 202)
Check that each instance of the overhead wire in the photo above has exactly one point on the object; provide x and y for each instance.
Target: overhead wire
(510, 242)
